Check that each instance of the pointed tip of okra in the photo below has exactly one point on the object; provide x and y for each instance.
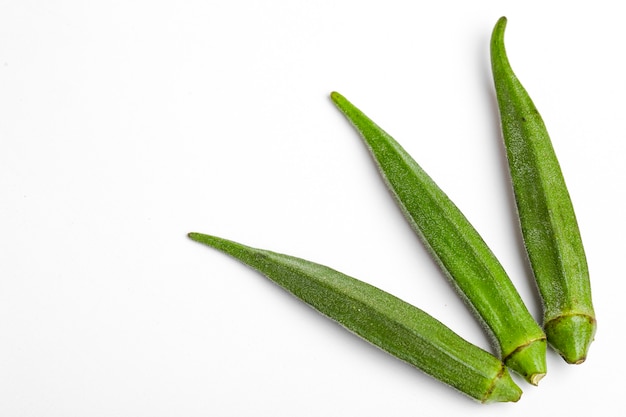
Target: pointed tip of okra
(336, 97)
(497, 40)
(529, 361)
(207, 239)
(571, 336)
(504, 389)
(350, 111)
(195, 236)
(500, 26)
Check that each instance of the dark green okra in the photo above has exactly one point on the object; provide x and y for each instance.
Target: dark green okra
(382, 319)
(547, 218)
(458, 248)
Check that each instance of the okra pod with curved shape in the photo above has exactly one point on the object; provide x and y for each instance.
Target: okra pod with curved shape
(547, 218)
(458, 248)
(382, 319)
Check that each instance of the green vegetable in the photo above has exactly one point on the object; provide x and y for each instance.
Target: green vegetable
(382, 319)
(547, 219)
(459, 249)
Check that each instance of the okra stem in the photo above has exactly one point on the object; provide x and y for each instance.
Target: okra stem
(548, 223)
(382, 319)
(458, 248)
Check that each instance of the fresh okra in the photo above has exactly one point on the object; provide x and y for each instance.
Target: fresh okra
(547, 218)
(458, 248)
(382, 319)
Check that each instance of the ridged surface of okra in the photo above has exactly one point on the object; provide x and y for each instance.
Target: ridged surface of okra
(458, 248)
(547, 219)
(382, 319)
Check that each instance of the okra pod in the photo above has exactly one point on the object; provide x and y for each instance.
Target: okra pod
(382, 319)
(458, 248)
(548, 223)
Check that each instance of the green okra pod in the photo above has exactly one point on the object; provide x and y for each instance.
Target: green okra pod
(547, 218)
(458, 248)
(382, 319)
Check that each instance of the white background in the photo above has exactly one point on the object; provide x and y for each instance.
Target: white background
(126, 124)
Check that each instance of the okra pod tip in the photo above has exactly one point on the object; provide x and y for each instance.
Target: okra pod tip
(529, 360)
(503, 389)
(560, 330)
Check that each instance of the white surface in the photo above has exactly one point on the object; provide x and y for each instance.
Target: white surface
(124, 125)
